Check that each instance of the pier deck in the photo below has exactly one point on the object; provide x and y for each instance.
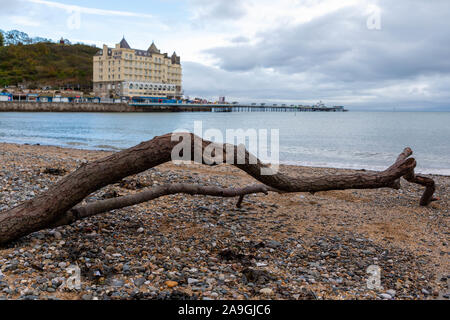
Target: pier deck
(236, 107)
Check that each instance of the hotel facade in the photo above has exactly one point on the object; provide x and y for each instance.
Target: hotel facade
(126, 72)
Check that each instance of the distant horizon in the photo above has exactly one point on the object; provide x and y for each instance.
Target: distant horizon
(366, 55)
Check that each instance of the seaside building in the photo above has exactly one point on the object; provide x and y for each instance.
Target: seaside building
(126, 72)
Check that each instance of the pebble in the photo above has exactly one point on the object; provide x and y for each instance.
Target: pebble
(386, 296)
(391, 292)
(139, 282)
(280, 238)
(117, 283)
(273, 244)
(171, 284)
(266, 291)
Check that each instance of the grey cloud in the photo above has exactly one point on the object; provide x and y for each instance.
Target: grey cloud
(240, 39)
(257, 86)
(340, 44)
(218, 9)
(8, 7)
(343, 60)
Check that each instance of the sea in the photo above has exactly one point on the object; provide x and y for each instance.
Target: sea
(354, 140)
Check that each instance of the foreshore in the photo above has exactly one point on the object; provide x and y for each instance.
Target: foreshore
(277, 246)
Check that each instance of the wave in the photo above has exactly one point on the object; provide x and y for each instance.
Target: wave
(107, 147)
(354, 166)
(76, 143)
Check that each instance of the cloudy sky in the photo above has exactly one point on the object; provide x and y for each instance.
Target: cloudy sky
(364, 54)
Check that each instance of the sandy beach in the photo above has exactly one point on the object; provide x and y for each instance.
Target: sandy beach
(279, 246)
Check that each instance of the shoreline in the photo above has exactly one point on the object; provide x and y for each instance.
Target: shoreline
(286, 164)
(277, 246)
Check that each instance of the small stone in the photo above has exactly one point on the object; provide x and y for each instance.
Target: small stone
(97, 273)
(140, 230)
(126, 268)
(386, 296)
(266, 291)
(191, 280)
(391, 292)
(273, 244)
(425, 292)
(117, 283)
(139, 282)
(171, 284)
(86, 297)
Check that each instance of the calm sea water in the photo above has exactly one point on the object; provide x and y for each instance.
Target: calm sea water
(369, 140)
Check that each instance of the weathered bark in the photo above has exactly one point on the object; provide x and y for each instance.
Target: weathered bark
(428, 183)
(83, 211)
(51, 206)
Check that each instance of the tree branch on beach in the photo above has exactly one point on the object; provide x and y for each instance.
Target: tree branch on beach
(60, 204)
(101, 206)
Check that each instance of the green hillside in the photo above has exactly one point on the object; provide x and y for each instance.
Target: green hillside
(46, 64)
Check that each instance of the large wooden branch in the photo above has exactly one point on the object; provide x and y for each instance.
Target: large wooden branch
(53, 204)
(83, 211)
(428, 183)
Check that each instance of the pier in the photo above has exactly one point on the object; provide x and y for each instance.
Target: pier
(118, 106)
(236, 107)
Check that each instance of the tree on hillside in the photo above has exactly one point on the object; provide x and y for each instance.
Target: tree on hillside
(2, 40)
(46, 64)
(16, 37)
(40, 39)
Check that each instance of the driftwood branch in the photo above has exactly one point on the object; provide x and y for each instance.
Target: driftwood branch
(428, 183)
(55, 204)
(83, 211)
